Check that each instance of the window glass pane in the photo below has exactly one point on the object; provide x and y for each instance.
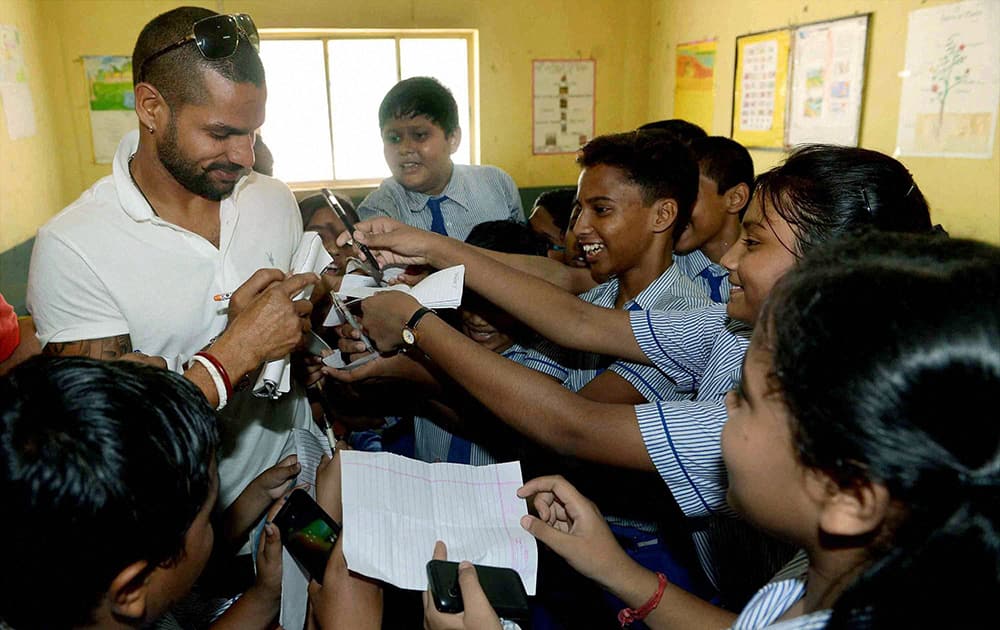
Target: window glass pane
(297, 126)
(447, 61)
(361, 72)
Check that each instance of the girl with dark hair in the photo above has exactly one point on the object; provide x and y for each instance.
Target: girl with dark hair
(846, 438)
(700, 351)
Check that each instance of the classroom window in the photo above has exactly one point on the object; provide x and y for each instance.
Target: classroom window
(324, 90)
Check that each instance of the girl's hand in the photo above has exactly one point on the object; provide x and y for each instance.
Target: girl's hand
(268, 584)
(478, 614)
(573, 527)
(344, 599)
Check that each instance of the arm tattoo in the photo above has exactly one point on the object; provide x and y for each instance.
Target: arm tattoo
(106, 348)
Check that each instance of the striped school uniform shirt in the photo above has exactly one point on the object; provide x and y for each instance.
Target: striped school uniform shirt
(701, 351)
(432, 443)
(670, 291)
(705, 273)
(475, 194)
(777, 596)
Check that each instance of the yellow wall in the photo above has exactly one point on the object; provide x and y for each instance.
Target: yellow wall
(31, 178)
(511, 33)
(964, 194)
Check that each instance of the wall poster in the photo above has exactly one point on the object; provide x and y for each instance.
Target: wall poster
(112, 103)
(563, 95)
(15, 91)
(951, 83)
(694, 91)
(828, 71)
(760, 89)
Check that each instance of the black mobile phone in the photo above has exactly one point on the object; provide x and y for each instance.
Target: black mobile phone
(503, 588)
(307, 532)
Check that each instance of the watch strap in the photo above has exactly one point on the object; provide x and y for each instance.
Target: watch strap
(417, 316)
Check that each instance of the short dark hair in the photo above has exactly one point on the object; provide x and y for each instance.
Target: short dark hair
(420, 96)
(178, 73)
(686, 132)
(725, 162)
(659, 164)
(104, 464)
(309, 205)
(886, 353)
(507, 236)
(559, 203)
(823, 191)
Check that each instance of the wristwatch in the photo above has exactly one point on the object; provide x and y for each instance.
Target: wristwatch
(409, 338)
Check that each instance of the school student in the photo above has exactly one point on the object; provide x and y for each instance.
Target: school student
(725, 181)
(108, 485)
(419, 122)
(820, 193)
(847, 439)
(550, 218)
(635, 195)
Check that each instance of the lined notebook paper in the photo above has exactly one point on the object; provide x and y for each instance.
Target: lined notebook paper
(395, 508)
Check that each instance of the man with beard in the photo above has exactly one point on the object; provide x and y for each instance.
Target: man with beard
(146, 260)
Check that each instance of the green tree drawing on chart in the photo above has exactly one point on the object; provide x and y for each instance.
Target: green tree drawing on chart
(947, 75)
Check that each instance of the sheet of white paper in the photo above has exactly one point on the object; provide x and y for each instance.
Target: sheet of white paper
(310, 256)
(395, 508)
(336, 360)
(350, 281)
(441, 289)
(19, 109)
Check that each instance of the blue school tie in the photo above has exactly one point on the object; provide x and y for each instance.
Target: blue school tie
(460, 450)
(714, 284)
(437, 219)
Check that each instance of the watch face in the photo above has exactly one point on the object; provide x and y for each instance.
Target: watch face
(408, 337)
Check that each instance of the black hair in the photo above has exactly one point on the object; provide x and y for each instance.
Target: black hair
(660, 165)
(309, 205)
(263, 158)
(507, 236)
(886, 351)
(420, 96)
(103, 464)
(725, 162)
(823, 191)
(559, 204)
(178, 73)
(686, 132)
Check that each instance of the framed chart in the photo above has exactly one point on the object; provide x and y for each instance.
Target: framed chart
(828, 74)
(760, 89)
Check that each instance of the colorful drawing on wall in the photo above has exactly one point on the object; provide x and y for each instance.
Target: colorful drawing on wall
(15, 91)
(112, 102)
(694, 92)
(828, 64)
(951, 84)
(563, 104)
(760, 90)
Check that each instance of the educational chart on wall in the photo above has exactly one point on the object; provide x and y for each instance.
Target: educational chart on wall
(951, 83)
(828, 65)
(694, 94)
(563, 104)
(112, 102)
(760, 89)
(15, 91)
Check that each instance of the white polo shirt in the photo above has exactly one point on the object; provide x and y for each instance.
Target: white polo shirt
(107, 265)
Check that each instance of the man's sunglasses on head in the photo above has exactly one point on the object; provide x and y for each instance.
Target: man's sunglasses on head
(217, 37)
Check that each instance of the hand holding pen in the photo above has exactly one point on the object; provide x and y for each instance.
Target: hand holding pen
(372, 266)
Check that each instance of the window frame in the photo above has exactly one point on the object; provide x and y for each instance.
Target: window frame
(325, 35)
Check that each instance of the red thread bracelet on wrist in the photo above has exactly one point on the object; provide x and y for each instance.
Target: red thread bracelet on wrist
(222, 371)
(628, 616)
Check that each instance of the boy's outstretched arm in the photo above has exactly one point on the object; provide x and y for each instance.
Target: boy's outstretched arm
(526, 400)
(553, 312)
